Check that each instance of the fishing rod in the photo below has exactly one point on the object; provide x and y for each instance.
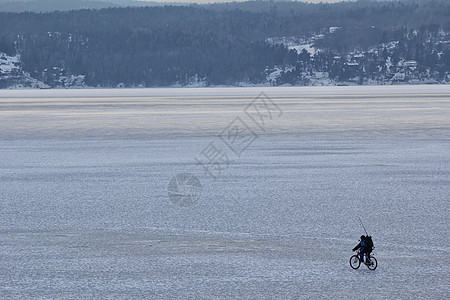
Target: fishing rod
(363, 226)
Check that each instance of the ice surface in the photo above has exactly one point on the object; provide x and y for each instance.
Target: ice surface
(84, 211)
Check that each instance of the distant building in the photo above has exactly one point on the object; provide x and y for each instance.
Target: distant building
(399, 77)
(334, 29)
(410, 64)
(352, 64)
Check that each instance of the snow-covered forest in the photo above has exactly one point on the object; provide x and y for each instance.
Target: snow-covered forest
(250, 43)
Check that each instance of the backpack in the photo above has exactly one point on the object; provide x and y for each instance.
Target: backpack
(369, 243)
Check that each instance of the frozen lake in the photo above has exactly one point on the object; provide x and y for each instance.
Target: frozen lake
(87, 211)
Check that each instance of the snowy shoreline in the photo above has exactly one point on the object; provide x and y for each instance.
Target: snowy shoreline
(228, 91)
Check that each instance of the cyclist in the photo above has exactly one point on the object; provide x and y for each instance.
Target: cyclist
(364, 246)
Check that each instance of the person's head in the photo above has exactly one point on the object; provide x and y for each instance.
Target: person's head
(362, 237)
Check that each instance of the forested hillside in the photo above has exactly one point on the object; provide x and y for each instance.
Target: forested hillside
(228, 44)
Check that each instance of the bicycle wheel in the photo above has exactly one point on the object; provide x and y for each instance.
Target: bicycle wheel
(355, 262)
(373, 264)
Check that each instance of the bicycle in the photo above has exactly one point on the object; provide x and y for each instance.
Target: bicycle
(371, 261)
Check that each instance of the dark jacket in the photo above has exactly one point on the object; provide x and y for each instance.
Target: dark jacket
(360, 245)
(366, 244)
